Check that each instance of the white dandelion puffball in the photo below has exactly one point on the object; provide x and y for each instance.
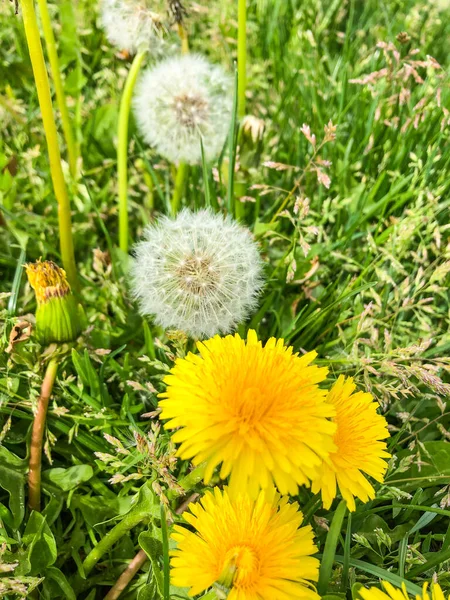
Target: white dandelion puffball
(133, 24)
(180, 101)
(200, 272)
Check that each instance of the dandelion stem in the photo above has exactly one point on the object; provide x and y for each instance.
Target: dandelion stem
(330, 548)
(129, 521)
(184, 38)
(242, 55)
(138, 561)
(180, 181)
(122, 148)
(37, 436)
(45, 103)
(59, 88)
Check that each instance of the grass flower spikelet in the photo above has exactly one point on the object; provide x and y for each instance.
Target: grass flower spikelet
(256, 410)
(359, 448)
(134, 24)
(251, 549)
(181, 101)
(200, 273)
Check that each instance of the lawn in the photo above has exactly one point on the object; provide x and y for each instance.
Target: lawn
(284, 169)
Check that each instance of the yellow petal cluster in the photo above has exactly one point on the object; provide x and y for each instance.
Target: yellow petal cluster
(255, 410)
(392, 593)
(248, 549)
(359, 448)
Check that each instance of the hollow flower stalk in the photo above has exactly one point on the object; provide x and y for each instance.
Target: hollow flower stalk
(200, 272)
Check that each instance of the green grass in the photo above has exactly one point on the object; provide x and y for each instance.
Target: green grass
(370, 294)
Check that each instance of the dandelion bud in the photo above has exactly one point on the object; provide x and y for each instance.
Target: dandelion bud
(58, 316)
(133, 24)
(200, 273)
(181, 101)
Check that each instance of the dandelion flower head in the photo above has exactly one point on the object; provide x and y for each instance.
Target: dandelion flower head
(359, 448)
(256, 410)
(392, 593)
(181, 101)
(200, 272)
(250, 549)
(133, 24)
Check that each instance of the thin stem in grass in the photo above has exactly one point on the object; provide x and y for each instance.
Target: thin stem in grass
(326, 565)
(37, 436)
(180, 183)
(45, 104)
(122, 148)
(59, 88)
(138, 561)
(129, 521)
(184, 38)
(165, 543)
(232, 148)
(242, 55)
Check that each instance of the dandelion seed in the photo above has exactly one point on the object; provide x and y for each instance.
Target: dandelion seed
(200, 273)
(246, 548)
(134, 24)
(181, 101)
(393, 593)
(256, 410)
(360, 430)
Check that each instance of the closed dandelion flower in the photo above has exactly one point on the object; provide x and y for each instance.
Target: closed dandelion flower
(255, 409)
(247, 549)
(392, 593)
(133, 24)
(58, 314)
(181, 101)
(200, 273)
(359, 448)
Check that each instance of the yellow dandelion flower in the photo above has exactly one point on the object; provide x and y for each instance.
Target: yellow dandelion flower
(392, 593)
(249, 549)
(255, 409)
(358, 447)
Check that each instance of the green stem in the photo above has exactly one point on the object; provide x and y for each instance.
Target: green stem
(122, 148)
(37, 437)
(128, 522)
(326, 565)
(180, 182)
(242, 55)
(165, 543)
(48, 119)
(59, 88)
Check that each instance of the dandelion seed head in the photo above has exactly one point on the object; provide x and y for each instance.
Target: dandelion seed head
(180, 101)
(200, 273)
(133, 24)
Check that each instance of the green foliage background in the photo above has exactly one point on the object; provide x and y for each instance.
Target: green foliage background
(363, 278)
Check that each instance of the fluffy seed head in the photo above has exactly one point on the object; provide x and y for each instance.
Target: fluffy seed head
(132, 24)
(200, 273)
(256, 410)
(248, 549)
(180, 101)
(359, 446)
